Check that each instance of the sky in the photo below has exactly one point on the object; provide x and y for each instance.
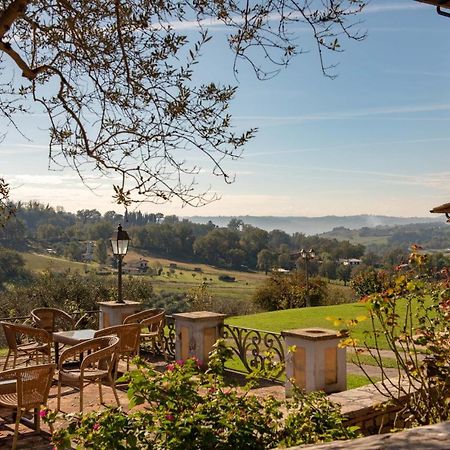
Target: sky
(374, 140)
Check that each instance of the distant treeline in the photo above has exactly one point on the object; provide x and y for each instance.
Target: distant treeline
(237, 246)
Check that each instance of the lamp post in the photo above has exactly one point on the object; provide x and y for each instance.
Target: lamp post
(119, 244)
(307, 256)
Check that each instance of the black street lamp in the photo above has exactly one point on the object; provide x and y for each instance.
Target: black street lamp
(119, 244)
(307, 256)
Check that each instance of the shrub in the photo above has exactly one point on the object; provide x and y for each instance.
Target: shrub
(412, 314)
(185, 408)
(172, 302)
(283, 291)
(227, 278)
(369, 281)
(71, 291)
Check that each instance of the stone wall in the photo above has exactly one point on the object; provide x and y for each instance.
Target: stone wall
(432, 437)
(362, 407)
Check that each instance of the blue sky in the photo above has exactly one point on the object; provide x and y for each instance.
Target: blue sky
(375, 140)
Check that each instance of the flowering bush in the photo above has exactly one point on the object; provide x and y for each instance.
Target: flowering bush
(411, 314)
(186, 408)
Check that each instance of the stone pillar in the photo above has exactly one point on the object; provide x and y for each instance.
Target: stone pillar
(113, 313)
(316, 363)
(196, 333)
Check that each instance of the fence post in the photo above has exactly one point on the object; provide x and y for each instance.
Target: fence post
(196, 333)
(113, 313)
(315, 361)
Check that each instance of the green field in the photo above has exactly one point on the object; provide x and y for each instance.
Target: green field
(38, 263)
(320, 316)
(180, 279)
(354, 237)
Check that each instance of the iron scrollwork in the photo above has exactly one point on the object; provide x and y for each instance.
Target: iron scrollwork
(255, 347)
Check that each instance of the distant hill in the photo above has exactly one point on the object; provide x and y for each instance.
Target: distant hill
(315, 225)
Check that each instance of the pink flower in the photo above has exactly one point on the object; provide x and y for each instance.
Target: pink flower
(179, 362)
(169, 417)
(170, 367)
(43, 413)
(211, 390)
(96, 426)
(197, 361)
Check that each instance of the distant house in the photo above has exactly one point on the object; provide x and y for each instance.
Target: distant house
(350, 262)
(280, 270)
(137, 267)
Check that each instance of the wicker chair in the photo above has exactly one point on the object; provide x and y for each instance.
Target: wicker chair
(26, 341)
(52, 319)
(24, 389)
(128, 334)
(96, 367)
(152, 322)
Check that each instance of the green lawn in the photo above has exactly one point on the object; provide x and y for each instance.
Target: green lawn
(38, 263)
(319, 316)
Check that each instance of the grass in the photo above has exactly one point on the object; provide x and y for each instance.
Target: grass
(368, 360)
(356, 381)
(38, 263)
(319, 317)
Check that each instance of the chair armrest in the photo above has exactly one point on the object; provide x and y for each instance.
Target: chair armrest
(74, 351)
(97, 356)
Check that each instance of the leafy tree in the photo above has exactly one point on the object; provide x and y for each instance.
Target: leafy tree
(101, 251)
(12, 268)
(6, 208)
(48, 231)
(73, 251)
(277, 238)
(252, 241)
(127, 67)
(100, 230)
(265, 260)
(235, 224)
(284, 291)
(88, 215)
(328, 269)
(367, 280)
(344, 272)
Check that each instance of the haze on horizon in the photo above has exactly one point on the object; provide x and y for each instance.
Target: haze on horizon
(373, 141)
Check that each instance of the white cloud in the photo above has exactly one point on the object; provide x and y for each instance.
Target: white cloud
(341, 115)
(403, 6)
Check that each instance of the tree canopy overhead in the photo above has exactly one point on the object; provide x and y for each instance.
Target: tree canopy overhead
(115, 79)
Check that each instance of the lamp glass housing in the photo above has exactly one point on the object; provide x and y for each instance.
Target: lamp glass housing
(119, 242)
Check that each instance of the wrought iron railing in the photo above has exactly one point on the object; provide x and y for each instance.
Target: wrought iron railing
(169, 337)
(254, 348)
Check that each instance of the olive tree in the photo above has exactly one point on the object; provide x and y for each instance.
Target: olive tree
(115, 80)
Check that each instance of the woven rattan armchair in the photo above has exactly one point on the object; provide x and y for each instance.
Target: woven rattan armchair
(53, 319)
(152, 322)
(96, 367)
(26, 341)
(24, 389)
(129, 338)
